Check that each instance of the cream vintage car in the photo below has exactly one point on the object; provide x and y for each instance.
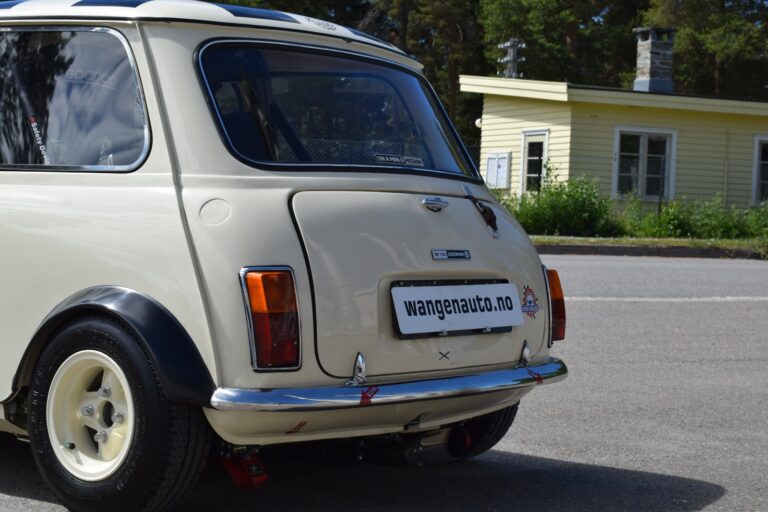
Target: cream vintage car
(237, 224)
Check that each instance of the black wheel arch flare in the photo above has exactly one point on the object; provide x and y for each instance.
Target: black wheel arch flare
(183, 375)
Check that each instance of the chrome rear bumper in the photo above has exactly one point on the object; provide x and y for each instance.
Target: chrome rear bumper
(350, 397)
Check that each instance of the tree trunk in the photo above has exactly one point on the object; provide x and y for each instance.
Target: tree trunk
(403, 17)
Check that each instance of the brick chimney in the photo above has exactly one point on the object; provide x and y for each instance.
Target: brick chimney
(654, 60)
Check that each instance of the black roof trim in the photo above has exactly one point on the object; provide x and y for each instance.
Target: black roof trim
(241, 11)
(11, 3)
(109, 3)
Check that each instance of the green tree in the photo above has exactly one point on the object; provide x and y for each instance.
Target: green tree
(446, 37)
(582, 41)
(721, 45)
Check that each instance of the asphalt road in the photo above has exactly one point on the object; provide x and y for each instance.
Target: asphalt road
(665, 409)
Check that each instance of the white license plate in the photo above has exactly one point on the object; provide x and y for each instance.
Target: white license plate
(456, 308)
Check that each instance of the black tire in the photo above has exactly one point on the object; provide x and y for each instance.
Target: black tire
(169, 443)
(484, 432)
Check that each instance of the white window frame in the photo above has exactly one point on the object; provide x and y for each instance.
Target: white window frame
(759, 139)
(524, 134)
(669, 185)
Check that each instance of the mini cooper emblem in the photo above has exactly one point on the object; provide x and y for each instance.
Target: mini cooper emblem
(450, 254)
(530, 304)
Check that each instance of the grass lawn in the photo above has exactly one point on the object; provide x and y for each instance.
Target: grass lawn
(751, 244)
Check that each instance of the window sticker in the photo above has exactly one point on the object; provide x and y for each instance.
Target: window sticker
(320, 23)
(399, 160)
(91, 77)
(35, 127)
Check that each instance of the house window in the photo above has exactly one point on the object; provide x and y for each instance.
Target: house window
(534, 147)
(644, 164)
(762, 170)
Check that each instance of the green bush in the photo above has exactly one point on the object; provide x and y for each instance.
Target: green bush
(569, 208)
(756, 221)
(673, 221)
(710, 219)
(576, 208)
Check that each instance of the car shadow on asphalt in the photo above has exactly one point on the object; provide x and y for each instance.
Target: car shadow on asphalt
(495, 481)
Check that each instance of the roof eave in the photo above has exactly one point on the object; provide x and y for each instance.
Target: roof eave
(564, 92)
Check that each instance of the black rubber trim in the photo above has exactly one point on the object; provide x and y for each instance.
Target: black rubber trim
(305, 253)
(404, 283)
(366, 35)
(241, 11)
(183, 374)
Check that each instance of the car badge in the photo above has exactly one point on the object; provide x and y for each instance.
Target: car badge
(450, 254)
(530, 304)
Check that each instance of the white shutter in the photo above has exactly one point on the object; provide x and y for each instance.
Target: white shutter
(502, 176)
(497, 170)
(491, 170)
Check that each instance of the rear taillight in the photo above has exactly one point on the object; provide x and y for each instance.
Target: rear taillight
(271, 302)
(557, 300)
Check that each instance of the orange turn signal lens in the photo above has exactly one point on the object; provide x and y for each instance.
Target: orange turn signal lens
(274, 318)
(557, 299)
(271, 291)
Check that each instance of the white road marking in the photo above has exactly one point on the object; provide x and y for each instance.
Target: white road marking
(666, 299)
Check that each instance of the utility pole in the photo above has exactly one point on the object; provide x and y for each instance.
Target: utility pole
(513, 57)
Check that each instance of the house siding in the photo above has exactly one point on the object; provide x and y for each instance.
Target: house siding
(504, 121)
(715, 151)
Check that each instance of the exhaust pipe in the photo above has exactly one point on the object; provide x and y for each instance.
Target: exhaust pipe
(436, 447)
(444, 445)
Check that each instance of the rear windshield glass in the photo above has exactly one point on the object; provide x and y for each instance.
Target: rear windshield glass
(69, 98)
(294, 107)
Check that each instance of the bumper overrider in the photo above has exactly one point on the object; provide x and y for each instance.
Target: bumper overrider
(370, 395)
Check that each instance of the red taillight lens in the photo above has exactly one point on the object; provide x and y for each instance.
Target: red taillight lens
(274, 314)
(558, 305)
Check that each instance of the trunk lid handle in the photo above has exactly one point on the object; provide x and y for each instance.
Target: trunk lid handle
(434, 204)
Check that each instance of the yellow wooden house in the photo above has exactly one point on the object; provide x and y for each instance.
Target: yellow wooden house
(659, 146)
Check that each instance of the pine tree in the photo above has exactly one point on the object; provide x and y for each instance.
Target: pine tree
(721, 46)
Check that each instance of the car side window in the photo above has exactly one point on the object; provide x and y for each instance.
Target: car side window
(70, 99)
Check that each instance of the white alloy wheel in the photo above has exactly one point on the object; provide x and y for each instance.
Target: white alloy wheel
(90, 415)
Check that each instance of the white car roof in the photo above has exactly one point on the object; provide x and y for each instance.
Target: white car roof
(181, 10)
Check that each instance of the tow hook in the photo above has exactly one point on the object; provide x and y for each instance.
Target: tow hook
(243, 466)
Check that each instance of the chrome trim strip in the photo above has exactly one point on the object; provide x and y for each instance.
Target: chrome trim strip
(352, 397)
(249, 319)
(139, 94)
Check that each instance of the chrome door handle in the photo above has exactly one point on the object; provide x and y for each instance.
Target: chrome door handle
(434, 204)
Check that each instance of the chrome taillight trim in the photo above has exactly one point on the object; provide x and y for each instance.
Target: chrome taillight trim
(249, 319)
(550, 341)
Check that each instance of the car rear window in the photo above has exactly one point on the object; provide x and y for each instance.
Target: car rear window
(302, 108)
(70, 99)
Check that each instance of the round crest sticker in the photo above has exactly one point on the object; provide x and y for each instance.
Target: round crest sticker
(530, 304)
